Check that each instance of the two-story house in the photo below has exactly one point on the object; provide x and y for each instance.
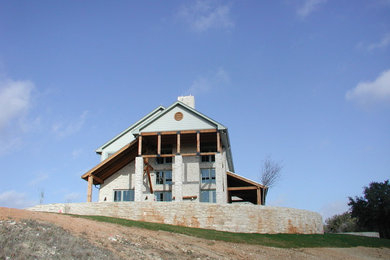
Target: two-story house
(171, 154)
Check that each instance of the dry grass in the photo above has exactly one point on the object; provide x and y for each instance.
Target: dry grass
(29, 239)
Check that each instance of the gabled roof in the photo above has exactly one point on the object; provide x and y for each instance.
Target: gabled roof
(146, 123)
(114, 163)
(149, 116)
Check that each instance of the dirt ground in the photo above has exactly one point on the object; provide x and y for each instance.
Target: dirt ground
(136, 243)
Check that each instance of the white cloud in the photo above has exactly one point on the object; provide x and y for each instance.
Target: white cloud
(205, 84)
(13, 199)
(207, 14)
(15, 99)
(381, 44)
(308, 7)
(372, 91)
(63, 129)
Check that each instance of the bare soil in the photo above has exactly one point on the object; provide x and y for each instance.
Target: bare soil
(136, 243)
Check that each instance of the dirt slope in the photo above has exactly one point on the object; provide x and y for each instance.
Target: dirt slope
(135, 243)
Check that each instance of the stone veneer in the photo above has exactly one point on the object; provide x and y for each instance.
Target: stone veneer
(245, 218)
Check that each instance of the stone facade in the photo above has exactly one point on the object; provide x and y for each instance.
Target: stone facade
(243, 218)
(186, 179)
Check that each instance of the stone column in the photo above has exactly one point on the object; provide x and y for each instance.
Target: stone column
(139, 178)
(177, 188)
(219, 179)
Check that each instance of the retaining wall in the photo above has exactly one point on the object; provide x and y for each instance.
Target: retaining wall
(243, 218)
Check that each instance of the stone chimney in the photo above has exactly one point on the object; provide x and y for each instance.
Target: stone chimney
(188, 100)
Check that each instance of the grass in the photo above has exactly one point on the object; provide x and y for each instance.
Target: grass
(273, 240)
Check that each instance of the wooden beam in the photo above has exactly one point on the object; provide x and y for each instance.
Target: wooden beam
(219, 142)
(140, 145)
(147, 169)
(243, 188)
(258, 196)
(189, 154)
(198, 142)
(95, 178)
(182, 132)
(208, 153)
(89, 191)
(159, 143)
(189, 197)
(178, 143)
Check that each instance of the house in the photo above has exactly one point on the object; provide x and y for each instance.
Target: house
(171, 154)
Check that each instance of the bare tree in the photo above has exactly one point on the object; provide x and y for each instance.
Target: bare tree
(270, 174)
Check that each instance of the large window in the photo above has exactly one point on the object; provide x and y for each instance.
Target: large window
(164, 177)
(123, 195)
(208, 175)
(208, 196)
(163, 195)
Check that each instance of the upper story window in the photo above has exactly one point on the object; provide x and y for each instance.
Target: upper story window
(164, 177)
(208, 175)
(208, 158)
(123, 195)
(164, 160)
(167, 149)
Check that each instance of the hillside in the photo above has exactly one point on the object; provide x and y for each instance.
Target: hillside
(26, 234)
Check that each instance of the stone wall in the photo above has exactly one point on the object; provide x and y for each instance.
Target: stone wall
(244, 218)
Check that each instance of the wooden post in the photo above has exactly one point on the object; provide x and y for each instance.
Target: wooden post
(218, 142)
(258, 196)
(178, 143)
(140, 145)
(198, 142)
(89, 191)
(159, 143)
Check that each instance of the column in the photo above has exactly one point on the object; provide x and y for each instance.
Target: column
(178, 169)
(89, 191)
(219, 178)
(139, 178)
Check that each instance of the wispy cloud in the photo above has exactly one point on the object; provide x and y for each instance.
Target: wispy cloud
(64, 129)
(332, 208)
(383, 43)
(39, 178)
(308, 7)
(15, 99)
(371, 91)
(204, 84)
(203, 15)
(72, 197)
(76, 153)
(13, 199)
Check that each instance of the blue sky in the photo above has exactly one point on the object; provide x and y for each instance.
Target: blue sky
(306, 82)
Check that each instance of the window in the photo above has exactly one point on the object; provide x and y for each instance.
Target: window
(163, 195)
(208, 175)
(163, 160)
(208, 158)
(123, 195)
(208, 196)
(164, 177)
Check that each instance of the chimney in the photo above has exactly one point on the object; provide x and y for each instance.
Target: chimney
(188, 100)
